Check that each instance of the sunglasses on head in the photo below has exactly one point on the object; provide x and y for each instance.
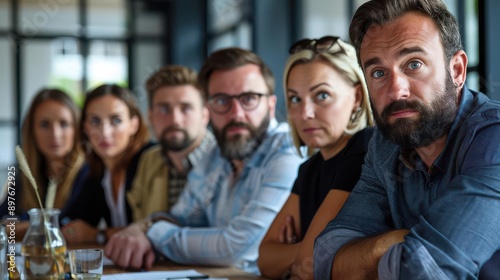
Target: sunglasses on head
(324, 44)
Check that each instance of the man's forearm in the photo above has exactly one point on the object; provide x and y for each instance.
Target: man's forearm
(359, 258)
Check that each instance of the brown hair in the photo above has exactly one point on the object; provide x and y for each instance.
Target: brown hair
(136, 143)
(381, 12)
(231, 58)
(171, 75)
(342, 57)
(36, 159)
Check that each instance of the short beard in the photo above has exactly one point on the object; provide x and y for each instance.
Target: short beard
(239, 147)
(435, 120)
(175, 145)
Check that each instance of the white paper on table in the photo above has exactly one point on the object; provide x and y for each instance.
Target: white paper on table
(153, 275)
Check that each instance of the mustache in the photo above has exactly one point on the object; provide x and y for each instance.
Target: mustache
(237, 124)
(171, 129)
(399, 105)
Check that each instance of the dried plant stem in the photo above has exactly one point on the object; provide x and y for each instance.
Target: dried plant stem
(51, 193)
(23, 164)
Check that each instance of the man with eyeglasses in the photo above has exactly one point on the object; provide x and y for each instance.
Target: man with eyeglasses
(233, 196)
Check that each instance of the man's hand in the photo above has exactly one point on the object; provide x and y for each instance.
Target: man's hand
(131, 248)
(287, 232)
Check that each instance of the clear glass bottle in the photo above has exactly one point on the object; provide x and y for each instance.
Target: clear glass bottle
(43, 246)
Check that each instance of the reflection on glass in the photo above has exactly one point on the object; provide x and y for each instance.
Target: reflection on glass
(106, 18)
(39, 17)
(107, 63)
(4, 14)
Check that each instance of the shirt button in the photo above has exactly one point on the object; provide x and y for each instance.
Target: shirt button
(431, 184)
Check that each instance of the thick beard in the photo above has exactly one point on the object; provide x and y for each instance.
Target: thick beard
(175, 145)
(239, 147)
(434, 121)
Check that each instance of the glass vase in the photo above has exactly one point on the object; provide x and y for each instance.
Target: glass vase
(43, 246)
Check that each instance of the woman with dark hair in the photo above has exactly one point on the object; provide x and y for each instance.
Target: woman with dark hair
(114, 137)
(49, 141)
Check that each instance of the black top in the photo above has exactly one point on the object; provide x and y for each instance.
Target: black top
(91, 205)
(317, 177)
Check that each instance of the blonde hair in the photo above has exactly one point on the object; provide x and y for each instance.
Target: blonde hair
(342, 58)
(36, 160)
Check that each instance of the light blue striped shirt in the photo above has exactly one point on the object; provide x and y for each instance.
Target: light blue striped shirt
(223, 221)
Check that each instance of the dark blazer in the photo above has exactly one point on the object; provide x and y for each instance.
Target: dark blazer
(91, 205)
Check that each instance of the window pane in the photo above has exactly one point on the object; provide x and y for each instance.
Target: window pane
(106, 18)
(8, 136)
(148, 59)
(147, 21)
(48, 17)
(240, 37)
(6, 79)
(226, 13)
(51, 63)
(472, 31)
(107, 63)
(4, 15)
(473, 80)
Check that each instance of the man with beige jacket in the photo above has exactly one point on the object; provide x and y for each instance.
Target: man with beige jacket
(179, 118)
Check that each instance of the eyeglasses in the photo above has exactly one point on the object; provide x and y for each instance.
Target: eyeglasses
(221, 103)
(324, 44)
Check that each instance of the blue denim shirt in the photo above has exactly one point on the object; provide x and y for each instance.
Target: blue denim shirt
(452, 211)
(222, 218)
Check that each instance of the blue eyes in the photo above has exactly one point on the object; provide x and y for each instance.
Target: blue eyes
(378, 74)
(415, 64)
(412, 65)
(320, 97)
(294, 99)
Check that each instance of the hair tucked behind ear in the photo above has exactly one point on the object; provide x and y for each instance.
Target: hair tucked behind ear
(342, 57)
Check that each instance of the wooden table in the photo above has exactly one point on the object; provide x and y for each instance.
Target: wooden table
(217, 272)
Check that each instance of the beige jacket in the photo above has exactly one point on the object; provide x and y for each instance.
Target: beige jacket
(149, 192)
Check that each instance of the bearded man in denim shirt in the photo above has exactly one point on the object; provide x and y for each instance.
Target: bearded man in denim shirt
(235, 192)
(427, 205)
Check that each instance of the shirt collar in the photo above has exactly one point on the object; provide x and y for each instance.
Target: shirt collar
(196, 155)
